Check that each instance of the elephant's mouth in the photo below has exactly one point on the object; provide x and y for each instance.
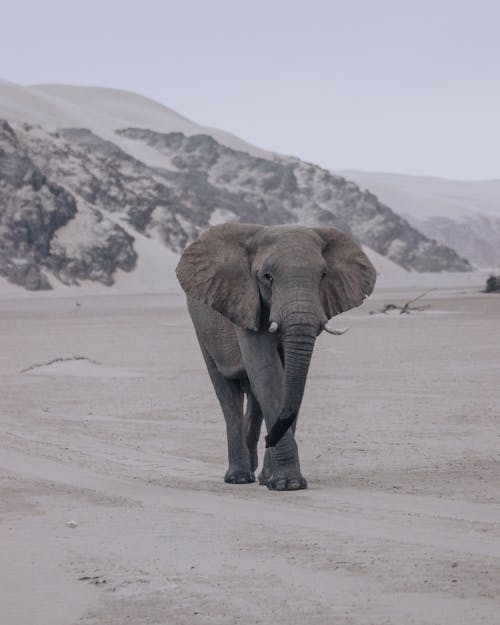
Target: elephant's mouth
(273, 328)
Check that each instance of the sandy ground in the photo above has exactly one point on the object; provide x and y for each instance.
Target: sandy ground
(113, 509)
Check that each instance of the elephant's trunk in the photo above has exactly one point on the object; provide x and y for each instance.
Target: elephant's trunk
(298, 335)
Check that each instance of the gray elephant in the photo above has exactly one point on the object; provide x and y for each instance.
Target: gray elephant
(258, 297)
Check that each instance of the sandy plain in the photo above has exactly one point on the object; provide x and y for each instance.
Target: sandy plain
(113, 509)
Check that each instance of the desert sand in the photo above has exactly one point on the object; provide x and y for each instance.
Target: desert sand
(113, 508)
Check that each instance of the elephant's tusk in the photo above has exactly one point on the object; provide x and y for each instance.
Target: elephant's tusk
(273, 327)
(336, 331)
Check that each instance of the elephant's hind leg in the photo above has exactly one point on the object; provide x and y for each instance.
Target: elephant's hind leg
(253, 422)
(230, 395)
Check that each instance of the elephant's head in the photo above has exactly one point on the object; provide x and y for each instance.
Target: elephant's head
(284, 279)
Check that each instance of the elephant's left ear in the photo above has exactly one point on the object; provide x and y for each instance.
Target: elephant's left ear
(350, 275)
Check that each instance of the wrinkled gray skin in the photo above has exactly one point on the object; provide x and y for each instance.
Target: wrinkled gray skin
(240, 278)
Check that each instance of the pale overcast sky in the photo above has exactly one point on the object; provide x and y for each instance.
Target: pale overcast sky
(384, 85)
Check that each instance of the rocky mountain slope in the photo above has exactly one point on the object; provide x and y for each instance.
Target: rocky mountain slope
(73, 201)
(44, 229)
(464, 215)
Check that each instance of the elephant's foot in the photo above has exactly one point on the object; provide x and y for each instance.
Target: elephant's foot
(286, 480)
(264, 476)
(237, 475)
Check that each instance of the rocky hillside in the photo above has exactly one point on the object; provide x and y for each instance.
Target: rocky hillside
(223, 183)
(45, 229)
(461, 214)
(71, 201)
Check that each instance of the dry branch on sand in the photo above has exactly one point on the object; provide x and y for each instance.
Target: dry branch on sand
(55, 360)
(406, 308)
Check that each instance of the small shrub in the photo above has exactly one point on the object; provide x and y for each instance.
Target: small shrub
(492, 284)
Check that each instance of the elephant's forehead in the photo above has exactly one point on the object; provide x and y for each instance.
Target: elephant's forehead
(290, 254)
(282, 237)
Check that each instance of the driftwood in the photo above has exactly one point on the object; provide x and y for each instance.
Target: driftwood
(406, 308)
(54, 360)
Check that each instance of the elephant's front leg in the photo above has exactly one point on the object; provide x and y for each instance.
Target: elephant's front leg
(263, 364)
(230, 396)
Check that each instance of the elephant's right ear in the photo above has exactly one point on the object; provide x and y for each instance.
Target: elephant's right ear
(215, 270)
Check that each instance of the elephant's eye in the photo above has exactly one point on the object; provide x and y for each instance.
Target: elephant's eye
(268, 278)
(323, 274)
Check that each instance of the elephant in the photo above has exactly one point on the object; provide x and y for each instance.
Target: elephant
(258, 297)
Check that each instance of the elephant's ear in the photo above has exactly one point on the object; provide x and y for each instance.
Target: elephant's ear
(215, 270)
(350, 275)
